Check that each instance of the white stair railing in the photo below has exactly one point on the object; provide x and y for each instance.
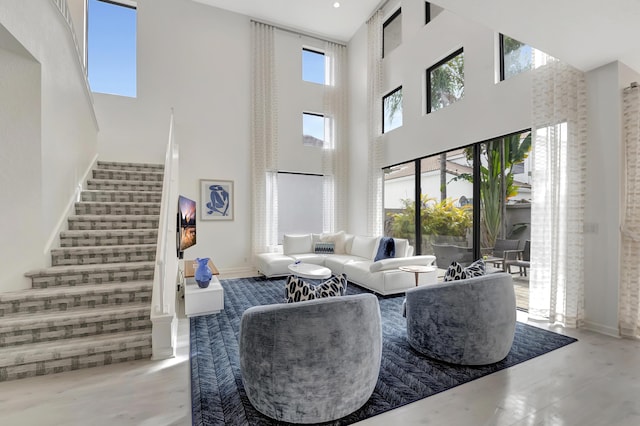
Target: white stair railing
(166, 266)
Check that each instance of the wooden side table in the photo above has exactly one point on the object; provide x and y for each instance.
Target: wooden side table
(417, 270)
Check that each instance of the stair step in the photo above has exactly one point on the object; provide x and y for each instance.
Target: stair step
(24, 329)
(118, 237)
(122, 196)
(76, 275)
(71, 354)
(61, 298)
(99, 208)
(102, 255)
(111, 222)
(123, 185)
(146, 176)
(112, 165)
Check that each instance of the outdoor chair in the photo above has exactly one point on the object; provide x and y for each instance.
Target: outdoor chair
(522, 260)
(447, 253)
(502, 251)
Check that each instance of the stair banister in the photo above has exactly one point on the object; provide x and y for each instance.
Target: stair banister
(163, 314)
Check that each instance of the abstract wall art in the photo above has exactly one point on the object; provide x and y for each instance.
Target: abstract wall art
(216, 199)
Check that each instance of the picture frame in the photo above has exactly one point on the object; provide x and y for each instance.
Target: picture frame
(216, 199)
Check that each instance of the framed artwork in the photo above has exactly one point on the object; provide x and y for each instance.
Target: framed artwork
(216, 199)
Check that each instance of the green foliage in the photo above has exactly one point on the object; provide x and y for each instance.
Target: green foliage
(447, 83)
(437, 218)
(392, 104)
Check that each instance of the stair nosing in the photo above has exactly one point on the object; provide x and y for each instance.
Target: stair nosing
(88, 289)
(46, 317)
(98, 249)
(54, 270)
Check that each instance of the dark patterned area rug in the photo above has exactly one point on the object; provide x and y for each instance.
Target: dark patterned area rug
(218, 396)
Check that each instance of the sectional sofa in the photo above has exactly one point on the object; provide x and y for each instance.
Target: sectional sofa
(353, 255)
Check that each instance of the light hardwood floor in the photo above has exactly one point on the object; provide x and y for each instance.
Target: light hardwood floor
(595, 381)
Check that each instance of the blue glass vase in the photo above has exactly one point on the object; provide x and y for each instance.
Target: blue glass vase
(203, 273)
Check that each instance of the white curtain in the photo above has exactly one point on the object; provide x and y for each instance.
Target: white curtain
(558, 191)
(334, 153)
(374, 101)
(264, 138)
(629, 297)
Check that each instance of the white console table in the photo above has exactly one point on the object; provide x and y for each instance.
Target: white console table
(202, 301)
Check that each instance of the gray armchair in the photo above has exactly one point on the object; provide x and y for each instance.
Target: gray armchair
(503, 250)
(469, 322)
(312, 361)
(447, 253)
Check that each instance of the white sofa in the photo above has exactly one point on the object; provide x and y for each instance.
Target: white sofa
(354, 256)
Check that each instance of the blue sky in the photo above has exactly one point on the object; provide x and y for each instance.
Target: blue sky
(112, 48)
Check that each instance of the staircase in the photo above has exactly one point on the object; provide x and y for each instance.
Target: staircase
(92, 306)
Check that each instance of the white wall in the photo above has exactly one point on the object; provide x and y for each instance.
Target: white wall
(194, 58)
(604, 198)
(59, 138)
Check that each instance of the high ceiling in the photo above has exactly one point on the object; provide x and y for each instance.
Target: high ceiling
(583, 33)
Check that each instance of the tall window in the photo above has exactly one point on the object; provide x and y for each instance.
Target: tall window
(445, 82)
(313, 126)
(392, 33)
(392, 110)
(112, 47)
(299, 203)
(313, 66)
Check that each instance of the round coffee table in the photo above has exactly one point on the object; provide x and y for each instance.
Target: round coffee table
(309, 271)
(417, 270)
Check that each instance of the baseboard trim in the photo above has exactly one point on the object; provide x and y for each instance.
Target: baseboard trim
(601, 329)
(239, 272)
(54, 237)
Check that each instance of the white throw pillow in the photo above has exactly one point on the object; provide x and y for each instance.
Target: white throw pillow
(337, 239)
(364, 246)
(402, 244)
(295, 244)
(348, 242)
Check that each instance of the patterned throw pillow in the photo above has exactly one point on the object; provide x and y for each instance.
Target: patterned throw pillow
(455, 272)
(297, 290)
(324, 248)
(334, 286)
(476, 269)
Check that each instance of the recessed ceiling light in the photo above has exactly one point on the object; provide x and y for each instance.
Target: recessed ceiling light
(336, 4)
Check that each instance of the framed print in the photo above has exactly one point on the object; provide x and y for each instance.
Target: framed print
(216, 199)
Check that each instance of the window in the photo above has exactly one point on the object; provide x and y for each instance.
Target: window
(392, 110)
(300, 204)
(392, 33)
(112, 47)
(313, 129)
(515, 57)
(445, 82)
(313, 66)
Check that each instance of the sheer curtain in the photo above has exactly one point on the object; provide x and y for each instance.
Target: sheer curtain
(334, 153)
(264, 138)
(558, 191)
(629, 298)
(374, 101)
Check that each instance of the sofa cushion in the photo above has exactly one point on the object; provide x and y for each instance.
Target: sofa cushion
(334, 286)
(394, 263)
(402, 245)
(324, 247)
(294, 244)
(348, 243)
(455, 272)
(364, 246)
(336, 262)
(297, 290)
(386, 249)
(337, 238)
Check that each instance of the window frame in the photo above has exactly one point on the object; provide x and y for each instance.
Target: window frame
(399, 88)
(324, 124)
(387, 23)
(431, 69)
(324, 70)
(427, 12)
(502, 72)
